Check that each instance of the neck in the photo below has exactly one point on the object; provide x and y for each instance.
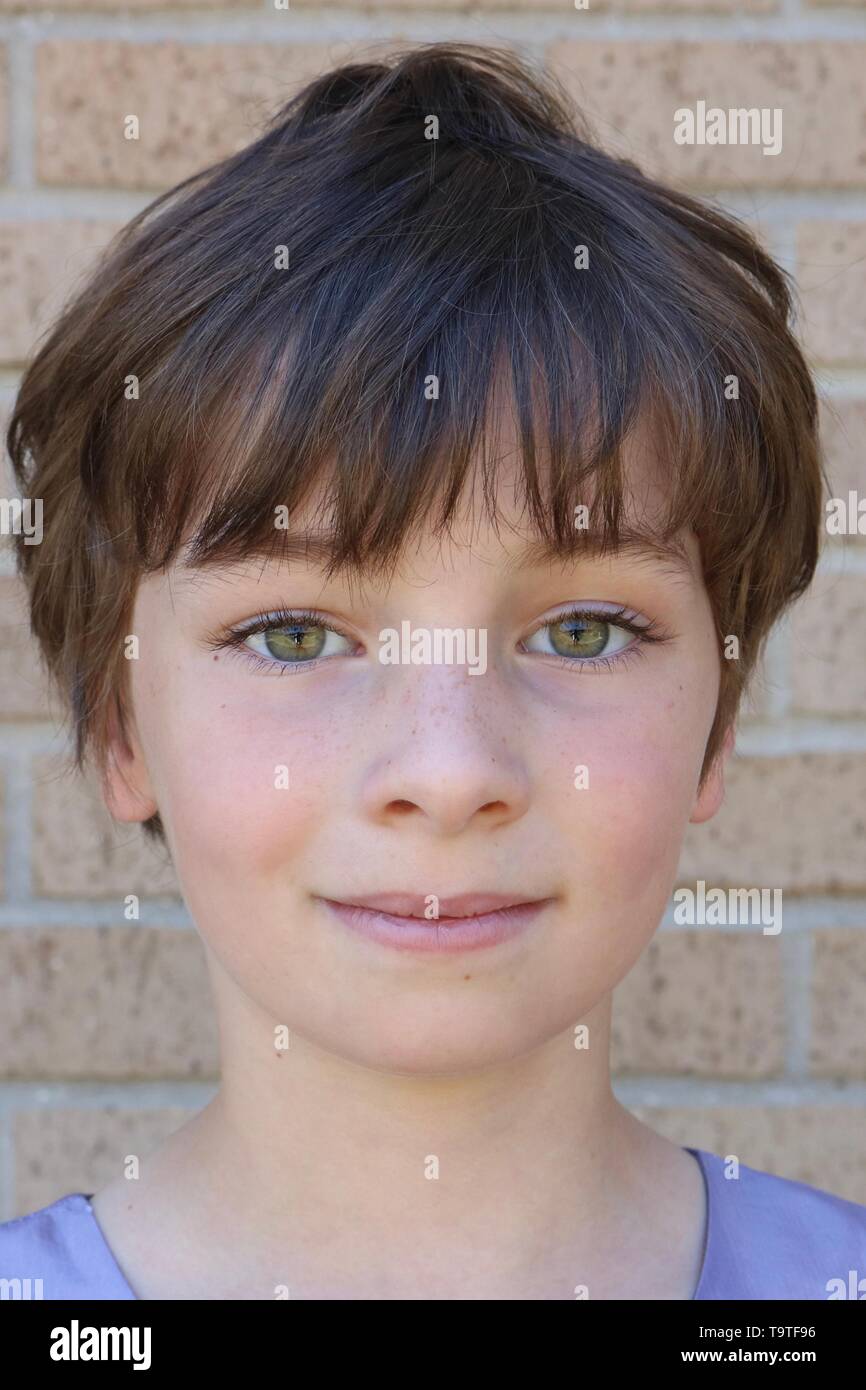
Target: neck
(389, 1181)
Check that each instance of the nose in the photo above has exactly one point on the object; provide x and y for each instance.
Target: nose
(453, 761)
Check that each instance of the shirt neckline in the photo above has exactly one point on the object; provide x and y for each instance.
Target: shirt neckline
(110, 1255)
(697, 1154)
(709, 1224)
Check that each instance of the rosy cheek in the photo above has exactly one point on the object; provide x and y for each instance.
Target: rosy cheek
(245, 782)
(639, 797)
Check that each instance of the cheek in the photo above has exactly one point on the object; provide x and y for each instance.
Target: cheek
(240, 783)
(626, 828)
(641, 799)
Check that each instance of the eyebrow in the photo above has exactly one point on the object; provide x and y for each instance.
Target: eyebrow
(319, 548)
(670, 553)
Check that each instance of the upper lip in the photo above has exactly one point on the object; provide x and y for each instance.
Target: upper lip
(458, 905)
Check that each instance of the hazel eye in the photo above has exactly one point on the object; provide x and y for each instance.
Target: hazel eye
(582, 637)
(294, 643)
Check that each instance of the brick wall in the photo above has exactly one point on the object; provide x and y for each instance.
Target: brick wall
(723, 1037)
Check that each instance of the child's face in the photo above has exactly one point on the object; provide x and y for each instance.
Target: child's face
(425, 779)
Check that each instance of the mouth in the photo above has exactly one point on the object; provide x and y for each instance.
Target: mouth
(426, 922)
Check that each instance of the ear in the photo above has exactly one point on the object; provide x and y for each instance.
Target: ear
(711, 793)
(126, 788)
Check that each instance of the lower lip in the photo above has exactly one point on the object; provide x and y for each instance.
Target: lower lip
(445, 935)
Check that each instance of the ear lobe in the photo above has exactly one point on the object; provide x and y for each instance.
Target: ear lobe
(711, 793)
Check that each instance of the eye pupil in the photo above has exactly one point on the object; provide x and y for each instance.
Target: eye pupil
(583, 636)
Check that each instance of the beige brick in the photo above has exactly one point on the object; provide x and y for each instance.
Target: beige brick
(196, 103)
(23, 685)
(7, 481)
(8, 486)
(828, 638)
(123, 6)
(56, 1151)
(105, 1003)
(794, 823)
(80, 851)
(838, 1042)
(40, 264)
(843, 432)
(551, 6)
(446, 6)
(831, 274)
(630, 91)
(760, 695)
(683, 1008)
(701, 6)
(4, 108)
(817, 1144)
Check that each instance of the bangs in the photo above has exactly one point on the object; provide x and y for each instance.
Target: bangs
(376, 378)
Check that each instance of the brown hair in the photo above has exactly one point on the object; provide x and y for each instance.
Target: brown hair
(284, 309)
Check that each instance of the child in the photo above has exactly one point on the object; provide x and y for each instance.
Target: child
(513, 439)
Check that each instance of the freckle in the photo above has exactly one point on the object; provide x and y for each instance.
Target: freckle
(216, 656)
(467, 977)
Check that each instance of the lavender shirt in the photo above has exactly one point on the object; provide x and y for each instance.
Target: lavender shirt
(766, 1237)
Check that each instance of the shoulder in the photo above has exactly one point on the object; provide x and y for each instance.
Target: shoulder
(58, 1252)
(772, 1237)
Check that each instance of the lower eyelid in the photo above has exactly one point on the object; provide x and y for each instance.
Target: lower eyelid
(270, 665)
(588, 663)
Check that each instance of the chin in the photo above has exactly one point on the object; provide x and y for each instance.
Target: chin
(442, 1045)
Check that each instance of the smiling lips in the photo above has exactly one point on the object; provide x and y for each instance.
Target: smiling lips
(465, 921)
(461, 905)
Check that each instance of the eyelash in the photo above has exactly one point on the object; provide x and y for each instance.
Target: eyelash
(233, 641)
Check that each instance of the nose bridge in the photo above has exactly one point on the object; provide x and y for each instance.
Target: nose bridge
(464, 695)
(449, 753)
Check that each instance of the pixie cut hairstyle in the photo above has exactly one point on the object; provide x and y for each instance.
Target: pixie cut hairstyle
(443, 215)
